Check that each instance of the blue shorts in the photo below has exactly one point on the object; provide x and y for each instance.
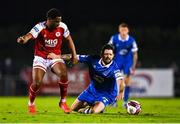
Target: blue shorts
(124, 65)
(91, 98)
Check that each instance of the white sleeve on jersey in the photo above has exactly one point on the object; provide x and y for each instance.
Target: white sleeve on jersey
(66, 30)
(118, 75)
(111, 40)
(134, 47)
(36, 29)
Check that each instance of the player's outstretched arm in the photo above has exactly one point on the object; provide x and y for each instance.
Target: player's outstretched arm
(73, 50)
(65, 57)
(24, 39)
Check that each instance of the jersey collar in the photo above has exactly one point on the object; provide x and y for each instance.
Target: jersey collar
(107, 66)
(119, 36)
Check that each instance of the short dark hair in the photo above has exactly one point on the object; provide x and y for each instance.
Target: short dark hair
(53, 13)
(123, 25)
(107, 46)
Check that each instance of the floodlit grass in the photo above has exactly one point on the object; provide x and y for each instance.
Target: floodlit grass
(158, 110)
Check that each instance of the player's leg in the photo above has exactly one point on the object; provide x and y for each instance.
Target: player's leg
(77, 104)
(98, 104)
(88, 98)
(127, 78)
(60, 70)
(98, 107)
(38, 71)
(37, 76)
(127, 88)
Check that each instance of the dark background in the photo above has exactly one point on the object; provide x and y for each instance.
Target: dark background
(82, 12)
(155, 24)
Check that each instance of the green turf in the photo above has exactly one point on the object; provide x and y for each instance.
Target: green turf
(14, 109)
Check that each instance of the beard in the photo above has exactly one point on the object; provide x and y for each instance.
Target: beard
(107, 60)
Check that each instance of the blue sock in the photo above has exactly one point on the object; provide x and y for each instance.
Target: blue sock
(126, 93)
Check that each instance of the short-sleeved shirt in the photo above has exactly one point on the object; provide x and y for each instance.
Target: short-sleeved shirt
(47, 41)
(124, 49)
(103, 79)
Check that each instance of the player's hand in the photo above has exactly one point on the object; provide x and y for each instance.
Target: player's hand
(132, 71)
(120, 96)
(66, 57)
(20, 40)
(74, 60)
(53, 56)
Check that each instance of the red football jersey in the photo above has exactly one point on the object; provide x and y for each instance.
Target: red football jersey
(47, 41)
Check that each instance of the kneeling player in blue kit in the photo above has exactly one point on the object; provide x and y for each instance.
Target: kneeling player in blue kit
(106, 82)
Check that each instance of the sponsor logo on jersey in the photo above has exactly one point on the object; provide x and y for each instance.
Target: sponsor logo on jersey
(98, 78)
(58, 34)
(36, 29)
(51, 42)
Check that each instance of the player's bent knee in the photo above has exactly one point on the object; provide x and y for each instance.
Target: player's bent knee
(61, 73)
(64, 74)
(98, 107)
(96, 111)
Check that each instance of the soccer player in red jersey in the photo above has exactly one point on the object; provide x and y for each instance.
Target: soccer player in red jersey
(48, 39)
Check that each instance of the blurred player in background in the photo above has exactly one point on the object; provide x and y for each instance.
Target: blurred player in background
(48, 37)
(106, 82)
(126, 55)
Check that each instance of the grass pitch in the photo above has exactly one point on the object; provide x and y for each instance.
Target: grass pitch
(14, 110)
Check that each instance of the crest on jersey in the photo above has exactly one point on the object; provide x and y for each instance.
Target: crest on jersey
(58, 34)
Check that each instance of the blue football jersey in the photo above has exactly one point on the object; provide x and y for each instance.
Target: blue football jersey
(103, 79)
(124, 49)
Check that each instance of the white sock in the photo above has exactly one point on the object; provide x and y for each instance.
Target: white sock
(63, 100)
(88, 110)
(29, 103)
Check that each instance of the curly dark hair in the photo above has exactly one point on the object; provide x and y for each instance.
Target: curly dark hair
(107, 46)
(53, 13)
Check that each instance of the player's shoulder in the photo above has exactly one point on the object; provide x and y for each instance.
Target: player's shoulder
(37, 29)
(40, 25)
(115, 64)
(115, 67)
(62, 25)
(115, 37)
